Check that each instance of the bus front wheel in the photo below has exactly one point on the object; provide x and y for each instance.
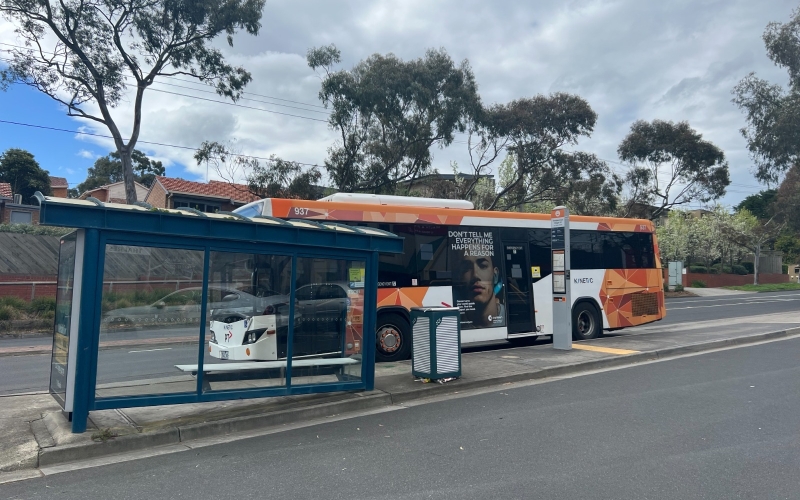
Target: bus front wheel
(585, 322)
(392, 338)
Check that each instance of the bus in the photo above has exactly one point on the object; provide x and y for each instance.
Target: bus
(494, 266)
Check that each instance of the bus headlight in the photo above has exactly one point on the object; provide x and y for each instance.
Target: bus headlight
(252, 337)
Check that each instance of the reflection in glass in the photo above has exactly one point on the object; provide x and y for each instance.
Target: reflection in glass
(248, 312)
(328, 322)
(152, 304)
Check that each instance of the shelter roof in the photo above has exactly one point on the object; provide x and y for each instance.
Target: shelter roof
(187, 222)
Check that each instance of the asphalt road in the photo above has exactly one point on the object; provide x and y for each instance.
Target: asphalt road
(718, 425)
(30, 373)
(681, 310)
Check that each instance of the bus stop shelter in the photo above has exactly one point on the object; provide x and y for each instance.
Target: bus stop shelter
(161, 307)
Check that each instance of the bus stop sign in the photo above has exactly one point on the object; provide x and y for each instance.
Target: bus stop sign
(562, 305)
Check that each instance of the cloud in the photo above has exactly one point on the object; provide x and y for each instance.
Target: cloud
(84, 153)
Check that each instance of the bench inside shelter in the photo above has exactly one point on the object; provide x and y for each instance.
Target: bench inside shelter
(218, 372)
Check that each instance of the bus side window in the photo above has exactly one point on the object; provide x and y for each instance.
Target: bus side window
(628, 251)
(587, 249)
(539, 248)
(431, 250)
(397, 270)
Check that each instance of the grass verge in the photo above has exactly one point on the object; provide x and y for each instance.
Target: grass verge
(768, 287)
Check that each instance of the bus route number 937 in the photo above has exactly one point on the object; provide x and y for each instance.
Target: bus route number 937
(300, 211)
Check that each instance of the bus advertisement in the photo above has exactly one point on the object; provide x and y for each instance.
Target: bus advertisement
(494, 266)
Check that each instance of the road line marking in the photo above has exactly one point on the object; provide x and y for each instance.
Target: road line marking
(151, 350)
(608, 350)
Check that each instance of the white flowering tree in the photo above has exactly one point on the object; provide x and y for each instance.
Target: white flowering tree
(748, 231)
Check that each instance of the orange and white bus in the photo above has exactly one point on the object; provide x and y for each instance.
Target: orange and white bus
(494, 266)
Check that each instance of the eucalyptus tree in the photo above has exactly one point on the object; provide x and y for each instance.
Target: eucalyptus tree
(108, 170)
(671, 165)
(537, 132)
(388, 113)
(270, 178)
(772, 111)
(87, 54)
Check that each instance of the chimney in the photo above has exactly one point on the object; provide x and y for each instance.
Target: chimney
(18, 199)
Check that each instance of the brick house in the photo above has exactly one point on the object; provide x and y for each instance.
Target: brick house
(14, 211)
(58, 187)
(215, 196)
(114, 193)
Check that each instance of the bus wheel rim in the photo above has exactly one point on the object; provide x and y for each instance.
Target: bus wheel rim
(585, 323)
(389, 339)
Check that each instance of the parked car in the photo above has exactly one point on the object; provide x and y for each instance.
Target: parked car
(185, 307)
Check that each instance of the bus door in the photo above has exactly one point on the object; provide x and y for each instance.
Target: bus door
(519, 292)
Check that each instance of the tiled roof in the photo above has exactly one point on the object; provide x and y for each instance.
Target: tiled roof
(5, 190)
(216, 189)
(58, 182)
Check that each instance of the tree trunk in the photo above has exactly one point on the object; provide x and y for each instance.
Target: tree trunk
(757, 254)
(127, 175)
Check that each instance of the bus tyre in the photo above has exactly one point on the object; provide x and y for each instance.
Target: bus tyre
(585, 322)
(392, 338)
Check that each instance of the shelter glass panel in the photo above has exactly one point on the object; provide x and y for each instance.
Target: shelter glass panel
(328, 321)
(63, 319)
(150, 327)
(248, 321)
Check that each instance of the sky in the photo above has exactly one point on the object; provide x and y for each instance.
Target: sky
(630, 59)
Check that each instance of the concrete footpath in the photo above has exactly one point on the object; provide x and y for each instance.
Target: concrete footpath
(35, 437)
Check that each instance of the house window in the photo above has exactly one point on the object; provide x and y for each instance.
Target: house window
(19, 217)
(203, 207)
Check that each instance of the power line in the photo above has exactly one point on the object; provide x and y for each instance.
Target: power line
(191, 81)
(240, 105)
(56, 129)
(232, 104)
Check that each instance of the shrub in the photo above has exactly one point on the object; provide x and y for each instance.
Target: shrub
(698, 284)
(42, 305)
(8, 313)
(739, 269)
(749, 267)
(721, 269)
(14, 303)
(666, 287)
(679, 288)
(784, 268)
(37, 230)
(698, 269)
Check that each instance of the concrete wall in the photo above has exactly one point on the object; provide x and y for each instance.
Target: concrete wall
(29, 263)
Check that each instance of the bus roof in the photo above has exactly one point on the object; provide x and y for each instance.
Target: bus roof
(402, 214)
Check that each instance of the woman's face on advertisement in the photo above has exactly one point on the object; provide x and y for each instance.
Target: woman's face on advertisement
(477, 274)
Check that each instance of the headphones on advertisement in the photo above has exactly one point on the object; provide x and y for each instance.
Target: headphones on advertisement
(497, 284)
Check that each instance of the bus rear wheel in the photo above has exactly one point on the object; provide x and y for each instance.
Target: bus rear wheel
(585, 322)
(392, 338)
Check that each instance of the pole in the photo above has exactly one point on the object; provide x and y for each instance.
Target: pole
(562, 303)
